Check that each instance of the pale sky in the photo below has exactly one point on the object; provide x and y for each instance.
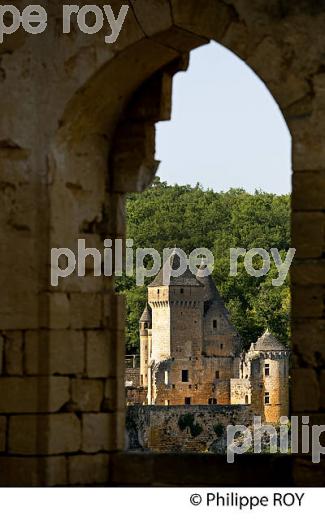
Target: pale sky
(226, 129)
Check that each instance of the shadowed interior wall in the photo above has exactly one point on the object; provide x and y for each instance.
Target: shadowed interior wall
(77, 134)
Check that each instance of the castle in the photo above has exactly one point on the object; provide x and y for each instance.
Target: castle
(191, 354)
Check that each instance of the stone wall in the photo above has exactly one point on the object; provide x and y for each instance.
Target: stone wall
(132, 376)
(182, 428)
(240, 391)
(136, 395)
(76, 135)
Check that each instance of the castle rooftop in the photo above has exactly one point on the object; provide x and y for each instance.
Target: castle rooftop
(146, 315)
(268, 342)
(165, 278)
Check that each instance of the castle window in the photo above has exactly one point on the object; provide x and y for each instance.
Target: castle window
(217, 374)
(166, 377)
(266, 398)
(221, 346)
(184, 376)
(187, 400)
(158, 291)
(246, 399)
(182, 291)
(166, 402)
(212, 400)
(141, 380)
(214, 324)
(267, 369)
(190, 386)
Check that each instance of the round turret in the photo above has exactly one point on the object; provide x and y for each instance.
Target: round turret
(145, 323)
(269, 377)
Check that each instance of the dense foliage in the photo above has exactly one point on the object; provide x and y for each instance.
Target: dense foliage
(190, 217)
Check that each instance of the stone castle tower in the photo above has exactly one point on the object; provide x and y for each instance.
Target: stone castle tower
(190, 353)
(267, 367)
(145, 344)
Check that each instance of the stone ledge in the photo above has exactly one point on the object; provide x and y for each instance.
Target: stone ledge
(127, 469)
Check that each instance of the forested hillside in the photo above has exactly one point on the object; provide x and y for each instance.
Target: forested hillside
(189, 217)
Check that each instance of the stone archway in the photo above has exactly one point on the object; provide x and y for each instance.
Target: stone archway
(93, 143)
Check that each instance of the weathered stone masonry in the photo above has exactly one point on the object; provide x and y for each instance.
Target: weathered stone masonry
(71, 145)
(182, 429)
(190, 352)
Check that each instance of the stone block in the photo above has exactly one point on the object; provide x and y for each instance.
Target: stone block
(31, 394)
(33, 471)
(3, 427)
(86, 310)
(56, 310)
(114, 394)
(322, 389)
(88, 469)
(54, 352)
(2, 344)
(308, 234)
(209, 19)
(56, 471)
(146, 14)
(97, 432)
(51, 434)
(305, 390)
(87, 395)
(308, 272)
(308, 302)
(307, 145)
(114, 311)
(313, 183)
(308, 338)
(13, 353)
(180, 40)
(98, 354)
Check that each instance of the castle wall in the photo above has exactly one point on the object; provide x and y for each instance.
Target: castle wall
(186, 320)
(135, 396)
(132, 377)
(181, 428)
(145, 345)
(275, 386)
(208, 379)
(158, 299)
(220, 338)
(240, 391)
(58, 346)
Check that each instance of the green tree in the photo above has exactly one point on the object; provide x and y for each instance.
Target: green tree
(164, 216)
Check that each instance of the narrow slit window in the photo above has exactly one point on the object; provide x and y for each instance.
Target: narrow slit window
(184, 376)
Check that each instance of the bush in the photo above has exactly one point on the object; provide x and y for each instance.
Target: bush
(187, 421)
(219, 429)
